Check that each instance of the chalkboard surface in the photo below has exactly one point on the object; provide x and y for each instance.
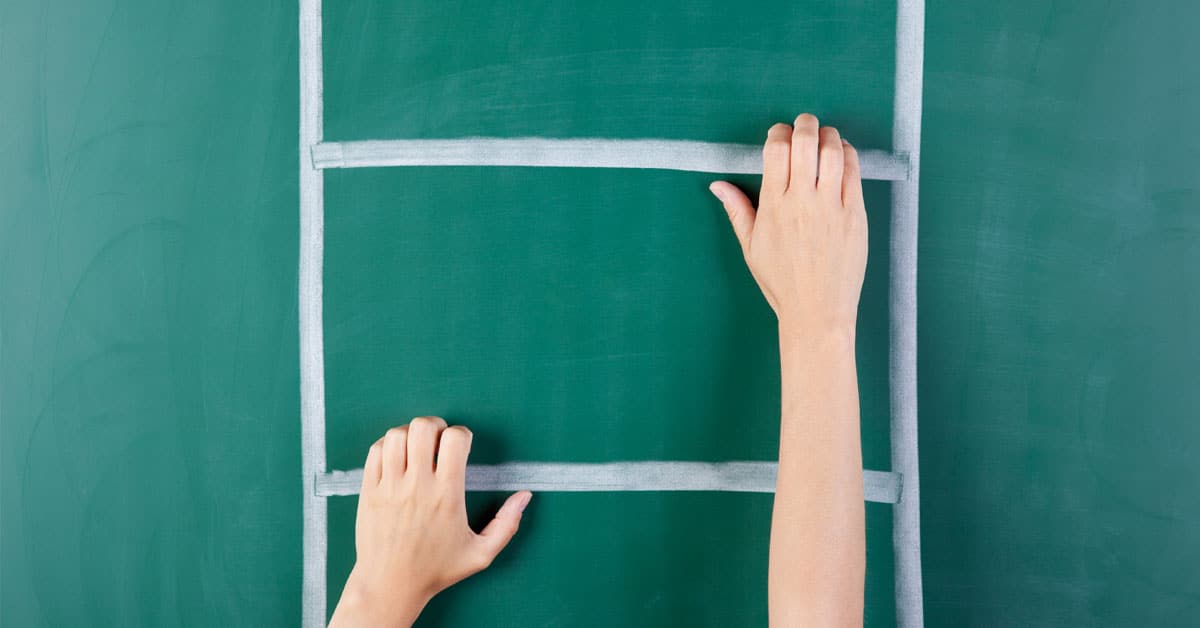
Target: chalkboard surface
(149, 432)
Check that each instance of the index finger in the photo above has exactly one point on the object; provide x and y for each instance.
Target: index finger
(373, 467)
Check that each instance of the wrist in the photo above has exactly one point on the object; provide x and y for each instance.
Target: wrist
(807, 338)
(363, 604)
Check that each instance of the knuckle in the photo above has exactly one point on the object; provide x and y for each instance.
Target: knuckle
(481, 560)
(776, 147)
(430, 422)
(806, 122)
(395, 433)
(854, 222)
(830, 143)
(459, 431)
(421, 423)
(456, 436)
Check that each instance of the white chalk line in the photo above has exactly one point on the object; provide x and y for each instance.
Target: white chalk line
(309, 295)
(901, 167)
(737, 477)
(685, 155)
(906, 140)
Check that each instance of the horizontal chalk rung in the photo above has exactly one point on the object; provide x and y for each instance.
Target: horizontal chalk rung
(737, 477)
(719, 158)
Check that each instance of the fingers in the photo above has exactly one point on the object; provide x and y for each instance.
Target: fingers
(452, 456)
(395, 453)
(373, 467)
(423, 435)
(805, 143)
(829, 178)
(741, 213)
(496, 535)
(776, 159)
(414, 447)
(852, 194)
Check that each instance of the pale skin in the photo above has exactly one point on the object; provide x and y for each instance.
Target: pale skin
(411, 536)
(806, 246)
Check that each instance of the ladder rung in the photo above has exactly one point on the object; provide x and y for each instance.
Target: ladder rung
(738, 477)
(574, 153)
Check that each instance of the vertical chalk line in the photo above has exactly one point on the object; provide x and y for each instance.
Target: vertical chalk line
(312, 350)
(906, 140)
(902, 357)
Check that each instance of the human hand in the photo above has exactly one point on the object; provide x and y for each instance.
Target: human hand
(411, 535)
(806, 244)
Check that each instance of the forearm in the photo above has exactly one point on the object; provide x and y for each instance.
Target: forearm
(818, 553)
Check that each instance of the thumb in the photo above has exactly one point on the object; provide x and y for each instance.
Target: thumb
(737, 206)
(496, 535)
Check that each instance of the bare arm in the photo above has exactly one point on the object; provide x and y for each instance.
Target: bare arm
(806, 245)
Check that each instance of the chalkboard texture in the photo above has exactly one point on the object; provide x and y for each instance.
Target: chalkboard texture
(149, 409)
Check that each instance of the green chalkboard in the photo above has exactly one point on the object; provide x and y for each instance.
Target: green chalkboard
(583, 315)
(149, 409)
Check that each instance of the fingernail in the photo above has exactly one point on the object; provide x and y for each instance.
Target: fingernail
(712, 187)
(523, 501)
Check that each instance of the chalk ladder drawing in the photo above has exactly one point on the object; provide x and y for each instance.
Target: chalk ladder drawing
(899, 487)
